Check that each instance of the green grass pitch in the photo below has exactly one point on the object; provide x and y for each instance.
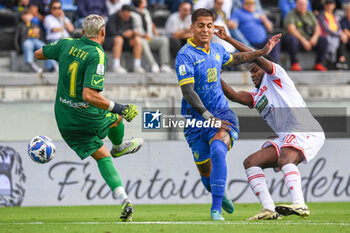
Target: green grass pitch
(325, 217)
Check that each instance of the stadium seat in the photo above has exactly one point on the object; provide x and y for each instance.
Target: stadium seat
(17, 63)
(8, 21)
(159, 18)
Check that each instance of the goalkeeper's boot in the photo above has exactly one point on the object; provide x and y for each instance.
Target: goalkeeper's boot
(127, 212)
(298, 209)
(227, 204)
(265, 214)
(127, 147)
(216, 215)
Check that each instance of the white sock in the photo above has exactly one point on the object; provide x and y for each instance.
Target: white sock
(292, 180)
(137, 62)
(257, 182)
(120, 147)
(120, 194)
(116, 62)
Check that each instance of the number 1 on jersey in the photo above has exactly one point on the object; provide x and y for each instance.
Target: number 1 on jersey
(73, 70)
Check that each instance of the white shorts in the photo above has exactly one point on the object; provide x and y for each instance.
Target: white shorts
(308, 143)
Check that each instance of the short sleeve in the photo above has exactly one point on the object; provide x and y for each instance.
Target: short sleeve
(170, 27)
(235, 17)
(290, 19)
(184, 69)
(52, 51)
(95, 70)
(227, 57)
(313, 18)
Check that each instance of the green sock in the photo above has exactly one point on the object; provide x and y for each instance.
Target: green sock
(116, 134)
(109, 173)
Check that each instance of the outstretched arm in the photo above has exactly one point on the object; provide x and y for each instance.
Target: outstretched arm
(261, 61)
(241, 97)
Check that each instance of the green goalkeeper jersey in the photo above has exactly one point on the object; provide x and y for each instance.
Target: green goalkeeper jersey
(81, 64)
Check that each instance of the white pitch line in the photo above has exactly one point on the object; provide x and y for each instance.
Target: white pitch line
(188, 223)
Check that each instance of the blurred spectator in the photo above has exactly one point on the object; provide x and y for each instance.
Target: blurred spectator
(317, 6)
(28, 39)
(237, 4)
(88, 7)
(40, 8)
(115, 5)
(173, 5)
(25, 5)
(156, 4)
(225, 7)
(178, 27)
(345, 23)
(56, 24)
(151, 38)
(120, 35)
(220, 22)
(255, 26)
(336, 38)
(229, 24)
(287, 5)
(22, 5)
(344, 4)
(304, 33)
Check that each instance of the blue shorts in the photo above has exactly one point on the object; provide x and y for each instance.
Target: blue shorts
(199, 139)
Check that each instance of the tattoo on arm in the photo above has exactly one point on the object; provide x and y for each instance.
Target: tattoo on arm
(245, 57)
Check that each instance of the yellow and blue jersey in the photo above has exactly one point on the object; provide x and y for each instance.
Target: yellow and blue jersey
(202, 68)
(196, 65)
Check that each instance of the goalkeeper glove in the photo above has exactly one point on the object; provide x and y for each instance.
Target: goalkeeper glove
(128, 112)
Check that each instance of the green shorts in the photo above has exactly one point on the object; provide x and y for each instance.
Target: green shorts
(87, 141)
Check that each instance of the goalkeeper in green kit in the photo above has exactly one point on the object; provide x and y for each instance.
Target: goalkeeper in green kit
(84, 117)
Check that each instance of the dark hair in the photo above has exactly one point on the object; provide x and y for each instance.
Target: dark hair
(126, 7)
(201, 12)
(54, 1)
(181, 3)
(136, 2)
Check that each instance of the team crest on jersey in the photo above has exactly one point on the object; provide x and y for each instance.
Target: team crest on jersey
(212, 75)
(182, 70)
(100, 69)
(261, 104)
(217, 57)
(196, 155)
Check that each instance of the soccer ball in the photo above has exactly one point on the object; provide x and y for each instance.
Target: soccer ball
(41, 149)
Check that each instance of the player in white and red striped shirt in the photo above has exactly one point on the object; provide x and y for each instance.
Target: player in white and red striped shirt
(300, 136)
